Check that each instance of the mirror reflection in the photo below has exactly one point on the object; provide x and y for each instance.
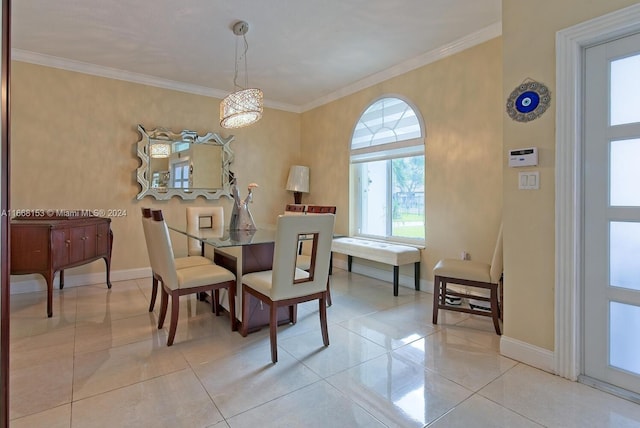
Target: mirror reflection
(183, 164)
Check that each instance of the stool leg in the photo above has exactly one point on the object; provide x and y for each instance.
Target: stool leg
(349, 263)
(416, 274)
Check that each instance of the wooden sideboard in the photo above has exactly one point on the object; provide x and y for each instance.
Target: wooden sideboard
(46, 245)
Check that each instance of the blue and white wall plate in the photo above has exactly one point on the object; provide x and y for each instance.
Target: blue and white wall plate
(528, 101)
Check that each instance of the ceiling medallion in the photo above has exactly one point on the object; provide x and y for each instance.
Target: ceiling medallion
(528, 101)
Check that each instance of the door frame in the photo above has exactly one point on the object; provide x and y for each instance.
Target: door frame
(570, 49)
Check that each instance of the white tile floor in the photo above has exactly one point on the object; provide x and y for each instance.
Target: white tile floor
(101, 362)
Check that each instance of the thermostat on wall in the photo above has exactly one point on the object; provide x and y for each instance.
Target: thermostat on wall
(523, 157)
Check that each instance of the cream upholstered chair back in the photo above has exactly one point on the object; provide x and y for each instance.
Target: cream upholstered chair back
(288, 281)
(203, 218)
(162, 261)
(146, 219)
(496, 261)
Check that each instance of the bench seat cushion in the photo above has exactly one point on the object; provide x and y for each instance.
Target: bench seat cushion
(376, 251)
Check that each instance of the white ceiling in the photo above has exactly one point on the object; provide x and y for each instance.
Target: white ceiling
(302, 53)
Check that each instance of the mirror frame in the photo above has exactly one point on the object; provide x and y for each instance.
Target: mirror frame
(143, 173)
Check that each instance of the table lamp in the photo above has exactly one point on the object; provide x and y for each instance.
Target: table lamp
(298, 182)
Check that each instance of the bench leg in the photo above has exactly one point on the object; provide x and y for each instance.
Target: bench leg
(331, 263)
(349, 263)
(416, 274)
(396, 277)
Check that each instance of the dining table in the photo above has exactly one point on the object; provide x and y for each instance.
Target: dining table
(242, 252)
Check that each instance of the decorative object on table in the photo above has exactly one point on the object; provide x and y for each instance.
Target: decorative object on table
(241, 218)
(298, 182)
(241, 237)
(244, 106)
(528, 101)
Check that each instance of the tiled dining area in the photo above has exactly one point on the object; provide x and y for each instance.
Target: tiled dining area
(100, 361)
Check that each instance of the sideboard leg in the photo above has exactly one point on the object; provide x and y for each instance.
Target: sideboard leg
(49, 280)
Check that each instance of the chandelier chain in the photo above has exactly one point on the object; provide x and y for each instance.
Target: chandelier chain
(238, 60)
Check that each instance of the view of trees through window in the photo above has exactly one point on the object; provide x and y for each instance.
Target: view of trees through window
(408, 197)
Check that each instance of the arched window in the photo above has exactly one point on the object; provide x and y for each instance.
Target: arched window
(388, 169)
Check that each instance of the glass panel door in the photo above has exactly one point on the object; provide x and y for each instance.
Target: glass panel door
(612, 214)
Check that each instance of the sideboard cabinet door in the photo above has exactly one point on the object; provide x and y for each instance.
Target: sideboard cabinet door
(60, 243)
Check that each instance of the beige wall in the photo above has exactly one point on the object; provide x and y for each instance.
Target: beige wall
(73, 146)
(528, 33)
(74, 140)
(460, 101)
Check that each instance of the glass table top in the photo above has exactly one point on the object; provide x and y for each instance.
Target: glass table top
(231, 238)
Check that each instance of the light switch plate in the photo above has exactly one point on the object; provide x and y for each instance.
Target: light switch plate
(529, 180)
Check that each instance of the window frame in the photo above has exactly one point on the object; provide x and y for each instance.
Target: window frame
(387, 151)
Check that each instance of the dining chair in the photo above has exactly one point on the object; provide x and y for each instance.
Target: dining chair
(287, 285)
(181, 262)
(477, 281)
(199, 218)
(178, 282)
(303, 261)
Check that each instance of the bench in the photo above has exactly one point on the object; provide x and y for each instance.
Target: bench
(381, 252)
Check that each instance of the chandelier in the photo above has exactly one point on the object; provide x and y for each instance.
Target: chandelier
(244, 106)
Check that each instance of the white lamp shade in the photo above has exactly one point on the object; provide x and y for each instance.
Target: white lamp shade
(298, 180)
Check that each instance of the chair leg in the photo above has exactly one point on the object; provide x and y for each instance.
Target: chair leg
(164, 300)
(244, 328)
(175, 307)
(273, 329)
(495, 310)
(416, 274)
(436, 299)
(154, 292)
(215, 304)
(323, 321)
(231, 293)
(293, 314)
(329, 303)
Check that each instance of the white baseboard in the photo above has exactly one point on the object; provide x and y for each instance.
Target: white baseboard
(535, 356)
(384, 275)
(32, 283)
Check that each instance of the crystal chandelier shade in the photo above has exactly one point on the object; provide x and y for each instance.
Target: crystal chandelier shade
(241, 108)
(160, 150)
(244, 106)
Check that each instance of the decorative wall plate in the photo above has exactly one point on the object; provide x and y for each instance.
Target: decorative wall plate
(528, 101)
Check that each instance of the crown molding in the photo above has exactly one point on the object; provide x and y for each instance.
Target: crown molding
(459, 45)
(128, 76)
(466, 42)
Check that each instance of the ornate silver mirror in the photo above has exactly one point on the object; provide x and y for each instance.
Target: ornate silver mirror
(183, 164)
